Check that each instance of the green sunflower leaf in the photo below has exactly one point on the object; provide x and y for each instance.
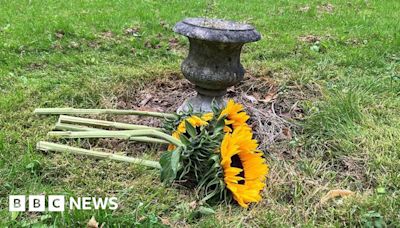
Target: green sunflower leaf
(215, 158)
(169, 162)
(214, 107)
(184, 140)
(220, 124)
(190, 108)
(190, 129)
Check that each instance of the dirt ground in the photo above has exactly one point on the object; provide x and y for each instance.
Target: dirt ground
(273, 113)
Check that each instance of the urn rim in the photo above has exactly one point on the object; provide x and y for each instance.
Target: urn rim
(217, 30)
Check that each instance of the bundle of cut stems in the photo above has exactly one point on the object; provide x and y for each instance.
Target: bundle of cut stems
(78, 127)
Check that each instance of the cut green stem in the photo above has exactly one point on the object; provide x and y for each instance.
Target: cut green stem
(48, 146)
(71, 127)
(74, 111)
(102, 123)
(126, 134)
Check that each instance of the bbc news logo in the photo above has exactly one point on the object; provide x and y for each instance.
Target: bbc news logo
(58, 203)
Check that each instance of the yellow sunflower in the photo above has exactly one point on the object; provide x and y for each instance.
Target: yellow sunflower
(235, 116)
(195, 121)
(207, 116)
(244, 167)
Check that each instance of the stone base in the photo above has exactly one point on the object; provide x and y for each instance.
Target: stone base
(201, 103)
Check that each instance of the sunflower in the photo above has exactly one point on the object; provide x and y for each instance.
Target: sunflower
(207, 116)
(235, 116)
(195, 121)
(243, 165)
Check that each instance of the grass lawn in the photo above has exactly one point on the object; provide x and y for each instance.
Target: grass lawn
(343, 58)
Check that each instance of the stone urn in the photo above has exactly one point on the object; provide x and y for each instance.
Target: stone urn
(213, 63)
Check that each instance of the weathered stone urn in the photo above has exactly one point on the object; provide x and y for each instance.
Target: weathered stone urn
(213, 63)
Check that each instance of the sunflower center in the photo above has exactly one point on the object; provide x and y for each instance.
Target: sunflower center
(237, 163)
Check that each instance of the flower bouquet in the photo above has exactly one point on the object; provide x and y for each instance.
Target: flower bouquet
(213, 153)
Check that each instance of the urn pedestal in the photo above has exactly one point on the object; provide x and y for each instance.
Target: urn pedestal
(213, 63)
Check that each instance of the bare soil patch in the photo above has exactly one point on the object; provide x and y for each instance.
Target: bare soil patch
(273, 112)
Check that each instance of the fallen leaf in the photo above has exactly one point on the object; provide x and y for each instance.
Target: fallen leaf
(173, 43)
(270, 96)
(132, 31)
(57, 46)
(59, 34)
(92, 223)
(231, 89)
(145, 100)
(93, 44)
(121, 104)
(335, 193)
(148, 44)
(287, 132)
(107, 34)
(166, 221)
(309, 38)
(250, 98)
(73, 45)
(193, 204)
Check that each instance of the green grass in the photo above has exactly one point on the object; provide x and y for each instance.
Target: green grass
(350, 88)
